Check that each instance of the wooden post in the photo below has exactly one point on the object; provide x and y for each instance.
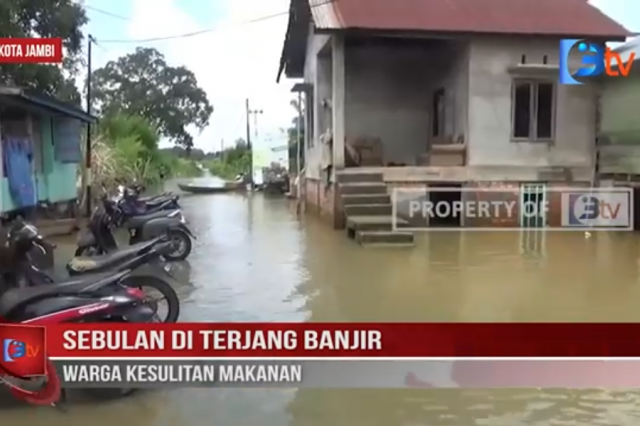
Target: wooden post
(299, 155)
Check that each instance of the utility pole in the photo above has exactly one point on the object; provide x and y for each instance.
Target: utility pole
(88, 177)
(249, 112)
(249, 147)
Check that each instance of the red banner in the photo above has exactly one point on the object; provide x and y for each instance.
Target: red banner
(461, 340)
(30, 50)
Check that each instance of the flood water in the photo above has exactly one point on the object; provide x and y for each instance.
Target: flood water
(254, 260)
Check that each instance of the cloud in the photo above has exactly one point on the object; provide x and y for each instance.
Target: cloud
(233, 63)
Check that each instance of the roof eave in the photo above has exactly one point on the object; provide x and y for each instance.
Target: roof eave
(48, 103)
(297, 15)
(440, 33)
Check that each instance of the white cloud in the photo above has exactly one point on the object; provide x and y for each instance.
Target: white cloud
(233, 63)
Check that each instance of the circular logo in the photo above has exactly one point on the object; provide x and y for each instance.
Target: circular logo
(590, 60)
(585, 208)
(39, 391)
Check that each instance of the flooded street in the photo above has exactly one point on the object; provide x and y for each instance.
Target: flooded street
(254, 260)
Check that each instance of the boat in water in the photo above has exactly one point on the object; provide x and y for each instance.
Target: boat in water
(212, 189)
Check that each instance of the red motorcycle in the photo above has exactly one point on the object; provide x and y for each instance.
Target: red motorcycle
(100, 297)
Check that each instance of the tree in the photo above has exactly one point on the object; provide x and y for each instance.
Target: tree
(142, 83)
(233, 161)
(40, 18)
(195, 154)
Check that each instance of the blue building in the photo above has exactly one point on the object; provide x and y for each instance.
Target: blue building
(40, 149)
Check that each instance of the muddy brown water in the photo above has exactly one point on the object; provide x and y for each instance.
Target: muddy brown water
(255, 261)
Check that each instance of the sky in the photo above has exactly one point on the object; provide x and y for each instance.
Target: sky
(234, 62)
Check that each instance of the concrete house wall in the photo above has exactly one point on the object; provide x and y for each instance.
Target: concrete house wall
(619, 124)
(490, 108)
(389, 93)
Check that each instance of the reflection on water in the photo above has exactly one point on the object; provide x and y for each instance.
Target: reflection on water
(254, 260)
(456, 407)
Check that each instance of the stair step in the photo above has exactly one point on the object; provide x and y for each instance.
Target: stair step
(387, 245)
(363, 188)
(368, 209)
(359, 177)
(384, 238)
(351, 199)
(372, 223)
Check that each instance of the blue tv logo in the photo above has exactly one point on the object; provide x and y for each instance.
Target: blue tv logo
(600, 209)
(13, 349)
(592, 61)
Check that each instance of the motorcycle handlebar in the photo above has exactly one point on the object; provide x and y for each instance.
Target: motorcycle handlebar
(45, 243)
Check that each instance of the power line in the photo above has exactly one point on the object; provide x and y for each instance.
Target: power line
(209, 30)
(150, 40)
(95, 43)
(107, 13)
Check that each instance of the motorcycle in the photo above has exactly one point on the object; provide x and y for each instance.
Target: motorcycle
(131, 257)
(114, 296)
(128, 258)
(98, 237)
(146, 205)
(22, 274)
(129, 206)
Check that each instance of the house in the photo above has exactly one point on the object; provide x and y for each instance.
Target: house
(40, 147)
(619, 127)
(431, 93)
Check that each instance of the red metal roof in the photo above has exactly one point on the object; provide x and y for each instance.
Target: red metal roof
(552, 17)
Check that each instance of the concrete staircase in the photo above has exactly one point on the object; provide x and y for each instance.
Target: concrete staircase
(367, 207)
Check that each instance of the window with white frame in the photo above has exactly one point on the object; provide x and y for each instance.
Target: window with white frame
(533, 109)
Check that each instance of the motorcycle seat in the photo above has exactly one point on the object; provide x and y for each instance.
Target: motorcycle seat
(14, 298)
(109, 260)
(167, 195)
(137, 221)
(159, 200)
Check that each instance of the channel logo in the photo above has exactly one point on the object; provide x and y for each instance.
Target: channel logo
(595, 60)
(12, 350)
(23, 350)
(610, 209)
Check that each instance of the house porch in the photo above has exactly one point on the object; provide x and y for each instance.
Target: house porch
(390, 105)
(388, 101)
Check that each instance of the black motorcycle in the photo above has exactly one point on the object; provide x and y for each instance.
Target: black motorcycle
(114, 296)
(98, 237)
(130, 257)
(146, 205)
(24, 274)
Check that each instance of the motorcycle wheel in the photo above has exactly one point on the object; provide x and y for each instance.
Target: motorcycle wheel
(182, 244)
(165, 289)
(39, 391)
(105, 394)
